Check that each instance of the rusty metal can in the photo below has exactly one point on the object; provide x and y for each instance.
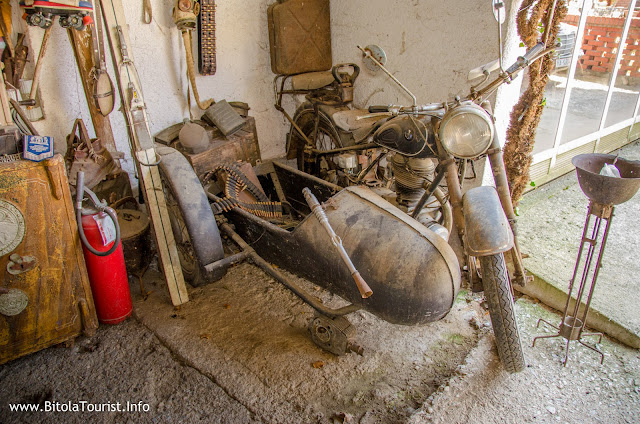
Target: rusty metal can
(134, 230)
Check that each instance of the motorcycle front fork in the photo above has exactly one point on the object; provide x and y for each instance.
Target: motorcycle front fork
(502, 187)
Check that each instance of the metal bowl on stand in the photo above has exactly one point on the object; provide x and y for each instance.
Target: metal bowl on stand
(604, 189)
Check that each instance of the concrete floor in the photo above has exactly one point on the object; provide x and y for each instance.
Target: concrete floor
(215, 361)
(239, 352)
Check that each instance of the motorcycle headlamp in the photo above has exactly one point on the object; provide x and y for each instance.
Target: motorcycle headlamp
(466, 131)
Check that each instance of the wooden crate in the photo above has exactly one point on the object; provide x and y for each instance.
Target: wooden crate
(241, 145)
(37, 219)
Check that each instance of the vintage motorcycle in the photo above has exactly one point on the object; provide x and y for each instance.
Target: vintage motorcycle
(413, 149)
(418, 280)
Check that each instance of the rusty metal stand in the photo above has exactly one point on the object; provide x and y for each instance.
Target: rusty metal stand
(571, 327)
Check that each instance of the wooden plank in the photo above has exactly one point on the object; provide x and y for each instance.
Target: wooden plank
(142, 148)
(83, 51)
(5, 116)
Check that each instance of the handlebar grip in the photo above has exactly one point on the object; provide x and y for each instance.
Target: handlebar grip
(533, 52)
(529, 56)
(378, 108)
(79, 189)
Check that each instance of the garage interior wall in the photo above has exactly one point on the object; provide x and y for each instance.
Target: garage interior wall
(430, 45)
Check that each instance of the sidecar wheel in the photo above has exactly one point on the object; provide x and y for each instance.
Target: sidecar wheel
(192, 222)
(497, 289)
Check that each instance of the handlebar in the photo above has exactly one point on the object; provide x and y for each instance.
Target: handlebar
(378, 109)
(535, 53)
(394, 110)
(530, 56)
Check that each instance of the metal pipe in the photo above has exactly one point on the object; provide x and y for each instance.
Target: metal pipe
(502, 186)
(297, 290)
(597, 269)
(368, 169)
(319, 152)
(429, 192)
(228, 261)
(368, 54)
(455, 194)
(587, 265)
(316, 208)
(575, 270)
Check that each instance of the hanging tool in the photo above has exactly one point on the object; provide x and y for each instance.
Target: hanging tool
(185, 13)
(316, 208)
(36, 72)
(142, 147)
(207, 37)
(102, 85)
(147, 13)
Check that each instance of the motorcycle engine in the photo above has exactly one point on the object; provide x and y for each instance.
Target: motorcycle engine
(412, 175)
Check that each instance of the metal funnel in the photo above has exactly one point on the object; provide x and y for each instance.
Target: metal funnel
(603, 189)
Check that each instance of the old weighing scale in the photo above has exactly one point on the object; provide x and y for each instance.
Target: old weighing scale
(604, 192)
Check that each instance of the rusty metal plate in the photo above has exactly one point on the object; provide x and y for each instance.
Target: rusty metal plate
(300, 36)
(12, 227)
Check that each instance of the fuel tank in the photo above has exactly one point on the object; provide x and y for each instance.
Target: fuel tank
(413, 272)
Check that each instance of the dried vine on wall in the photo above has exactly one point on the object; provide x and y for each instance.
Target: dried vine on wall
(525, 117)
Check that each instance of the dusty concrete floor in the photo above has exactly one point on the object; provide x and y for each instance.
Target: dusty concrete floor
(240, 352)
(227, 358)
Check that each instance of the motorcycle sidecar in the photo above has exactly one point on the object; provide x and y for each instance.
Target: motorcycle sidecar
(414, 273)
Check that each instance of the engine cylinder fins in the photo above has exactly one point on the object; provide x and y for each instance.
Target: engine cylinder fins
(411, 175)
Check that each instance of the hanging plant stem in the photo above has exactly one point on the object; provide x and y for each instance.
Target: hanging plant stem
(535, 17)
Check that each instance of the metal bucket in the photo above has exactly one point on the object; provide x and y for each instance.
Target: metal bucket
(134, 230)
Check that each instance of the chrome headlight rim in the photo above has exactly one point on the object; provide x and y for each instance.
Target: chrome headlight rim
(468, 108)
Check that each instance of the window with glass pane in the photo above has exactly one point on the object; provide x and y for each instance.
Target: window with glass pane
(595, 68)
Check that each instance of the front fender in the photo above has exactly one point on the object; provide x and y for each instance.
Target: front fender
(196, 211)
(487, 230)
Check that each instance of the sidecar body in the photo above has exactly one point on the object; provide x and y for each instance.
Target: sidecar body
(413, 272)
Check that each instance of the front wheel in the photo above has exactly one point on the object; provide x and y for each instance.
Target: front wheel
(497, 289)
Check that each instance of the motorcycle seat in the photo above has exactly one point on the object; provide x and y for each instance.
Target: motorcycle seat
(311, 80)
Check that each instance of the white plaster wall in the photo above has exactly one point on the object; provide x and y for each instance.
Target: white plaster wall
(430, 44)
(243, 72)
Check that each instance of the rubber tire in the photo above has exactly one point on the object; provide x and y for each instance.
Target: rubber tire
(497, 290)
(305, 119)
(191, 268)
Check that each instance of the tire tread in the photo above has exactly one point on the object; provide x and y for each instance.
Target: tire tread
(501, 308)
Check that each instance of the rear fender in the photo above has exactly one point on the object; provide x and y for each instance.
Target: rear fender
(487, 230)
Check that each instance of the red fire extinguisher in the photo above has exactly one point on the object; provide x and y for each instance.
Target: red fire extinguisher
(100, 235)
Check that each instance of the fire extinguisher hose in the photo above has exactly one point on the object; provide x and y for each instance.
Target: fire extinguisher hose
(102, 207)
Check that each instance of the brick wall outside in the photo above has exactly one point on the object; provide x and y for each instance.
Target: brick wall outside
(602, 40)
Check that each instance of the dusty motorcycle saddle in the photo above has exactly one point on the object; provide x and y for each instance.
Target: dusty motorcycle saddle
(87, 155)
